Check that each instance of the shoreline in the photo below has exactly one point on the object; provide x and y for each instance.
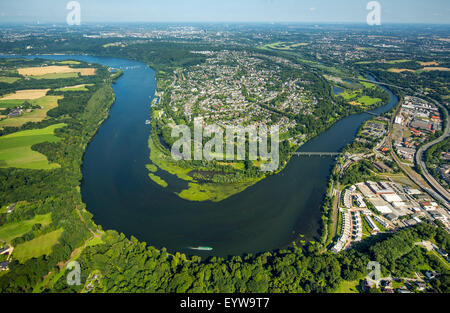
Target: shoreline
(210, 191)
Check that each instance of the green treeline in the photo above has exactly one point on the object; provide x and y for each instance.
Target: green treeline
(127, 265)
(55, 191)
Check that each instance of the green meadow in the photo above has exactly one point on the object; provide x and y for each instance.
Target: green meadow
(8, 80)
(366, 100)
(56, 76)
(36, 115)
(37, 247)
(348, 287)
(68, 62)
(5, 104)
(15, 149)
(75, 88)
(213, 191)
(13, 230)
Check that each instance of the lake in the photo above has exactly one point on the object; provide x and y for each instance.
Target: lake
(269, 215)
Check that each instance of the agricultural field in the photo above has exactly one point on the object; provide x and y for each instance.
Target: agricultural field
(6, 104)
(15, 149)
(433, 63)
(442, 69)
(8, 80)
(400, 70)
(57, 76)
(54, 69)
(28, 94)
(35, 115)
(37, 247)
(13, 230)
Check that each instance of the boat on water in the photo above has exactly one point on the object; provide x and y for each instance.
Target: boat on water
(201, 248)
(147, 122)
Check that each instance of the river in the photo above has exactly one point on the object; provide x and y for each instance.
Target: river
(269, 215)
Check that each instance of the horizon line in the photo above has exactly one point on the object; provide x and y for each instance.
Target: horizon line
(38, 23)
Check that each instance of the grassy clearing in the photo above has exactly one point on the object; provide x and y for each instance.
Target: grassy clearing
(53, 277)
(386, 62)
(397, 61)
(442, 69)
(163, 162)
(236, 165)
(355, 98)
(433, 63)
(37, 247)
(366, 100)
(348, 287)
(366, 84)
(440, 258)
(8, 80)
(75, 88)
(425, 69)
(349, 94)
(56, 76)
(5, 104)
(286, 46)
(36, 115)
(214, 192)
(195, 191)
(158, 180)
(15, 149)
(94, 241)
(13, 230)
(69, 62)
(400, 70)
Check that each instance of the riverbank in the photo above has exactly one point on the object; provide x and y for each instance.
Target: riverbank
(236, 179)
(195, 191)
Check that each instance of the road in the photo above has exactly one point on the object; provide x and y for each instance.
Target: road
(443, 193)
(413, 175)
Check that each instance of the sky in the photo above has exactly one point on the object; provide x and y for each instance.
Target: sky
(303, 11)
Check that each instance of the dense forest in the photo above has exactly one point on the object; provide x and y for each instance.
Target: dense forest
(127, 265)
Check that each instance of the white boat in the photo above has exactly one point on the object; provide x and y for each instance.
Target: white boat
(201, 248)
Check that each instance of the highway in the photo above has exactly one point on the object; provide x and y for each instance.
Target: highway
(413, 175)
(419, 159)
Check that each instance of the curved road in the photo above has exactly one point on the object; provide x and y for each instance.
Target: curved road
(443, 193)
(413, 175)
